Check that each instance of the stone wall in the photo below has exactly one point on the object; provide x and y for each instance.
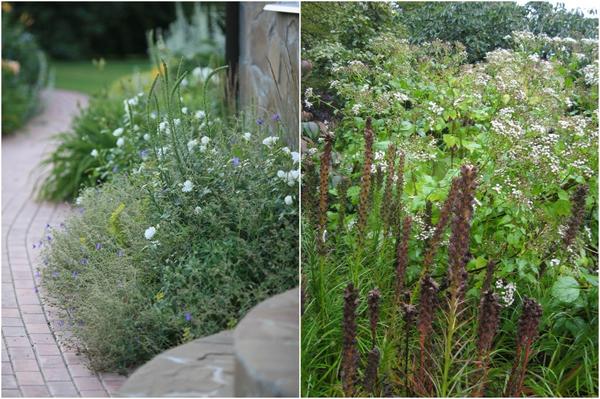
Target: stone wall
(269, 65)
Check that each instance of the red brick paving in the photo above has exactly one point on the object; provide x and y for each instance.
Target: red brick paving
(33, 363)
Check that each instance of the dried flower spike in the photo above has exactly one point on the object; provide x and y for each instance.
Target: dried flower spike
(371, 371)
(350, 352)
(578, 211)
(373, 304)
(402, 256)
(363, 207)
(427, 305)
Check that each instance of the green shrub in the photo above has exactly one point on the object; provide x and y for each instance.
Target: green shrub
(23, 73)
(183, 245)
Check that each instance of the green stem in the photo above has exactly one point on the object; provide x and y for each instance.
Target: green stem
(448, 346)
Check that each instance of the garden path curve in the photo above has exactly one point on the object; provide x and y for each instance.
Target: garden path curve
(34, 360)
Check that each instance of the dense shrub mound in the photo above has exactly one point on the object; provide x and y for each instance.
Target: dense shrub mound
(23, 72)
(203, 228)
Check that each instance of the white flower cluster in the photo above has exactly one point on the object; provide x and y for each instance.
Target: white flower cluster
(290, 177)
(356, 109)
(270, 141)
(506, 291)
(590, 74)
(435, 108)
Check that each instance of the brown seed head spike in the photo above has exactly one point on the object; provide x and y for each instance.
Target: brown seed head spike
(324, 185)
(371, 370)
(373, 304)
(578, 211)
(387, 203)
(527, 333)
(350, 352)
(427, 305)
(460, 233)
(363, 208)
(445, 213)
(489, 319)
(402, 256)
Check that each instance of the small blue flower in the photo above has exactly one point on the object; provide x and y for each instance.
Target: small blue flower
(98, 246)
(49, 238)
(37, 274)
(74, 274)
(144, 154)
(120, 252)
(275, 117)
(55, 274)
(188, 316)
(84, 261)
(34, 246)
(35, 289)
(235, 161)
(260, 121)
(48, 226)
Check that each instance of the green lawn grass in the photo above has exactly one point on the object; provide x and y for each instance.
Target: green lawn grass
(85, 77)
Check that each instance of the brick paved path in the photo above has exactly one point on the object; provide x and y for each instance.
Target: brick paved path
(34, 362)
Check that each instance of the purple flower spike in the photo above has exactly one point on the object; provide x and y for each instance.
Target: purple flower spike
(235, 161)
(188, 316)
(260, 121)
(275, 118)
(98, 246)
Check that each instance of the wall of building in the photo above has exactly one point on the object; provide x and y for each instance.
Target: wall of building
(268, 70)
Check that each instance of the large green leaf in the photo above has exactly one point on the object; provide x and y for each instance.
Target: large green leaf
(566, 289)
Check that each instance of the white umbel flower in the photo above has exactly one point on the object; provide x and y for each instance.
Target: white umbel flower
(247, 136)
(150, 232)
(118, 132)
(288, 200)
(187, 186)
(204, 140)
(120, 142)
(192, 144)
(269, 141)
(200, 114)
(295, 157)
(94, 153)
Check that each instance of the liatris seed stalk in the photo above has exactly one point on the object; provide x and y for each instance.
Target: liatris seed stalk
(371, 371)
(363, 207)
(489, 320)
(350, 352)
(427, 305)
(373, 304)
(445, 213)
(577, 213)
(527, 333)
(342, 192)
(489, 275)
(402, 256)
(460, 234)
(324, 187)
(397, 217)
(309, 185)
(387, 203)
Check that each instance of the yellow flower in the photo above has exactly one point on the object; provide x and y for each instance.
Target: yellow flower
(159, 297)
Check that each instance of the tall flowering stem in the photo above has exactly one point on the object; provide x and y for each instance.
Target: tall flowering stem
(445, 214)
(363, 207)
(409, 314)
(371, 370)
(397, 217)
(578, 211)
(373, 304)
(342, 192)
(428, 303)
(489, 320)
(526, 335)
(460, 233)
(309, 185)
(350, 351)
(387, 203)
(324, 188)
(402, 257)
(489, 275)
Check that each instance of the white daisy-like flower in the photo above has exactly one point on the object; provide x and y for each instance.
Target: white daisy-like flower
(288, 200)
(177, 122)
(153, 115)
(204, 140)
(118, 132)
(192, 144)
(247, 136)
(120, 142)
(202, 148)
(295, 156)
(163, 126)
(197, 210)
(187, 186)
(78, 201)
(133, 101)
(281, 174)
(94, 153)
(150, 232)
(184, 110)
(555, 262)
(286, 150)
(269, 141)
(146, 137)
(200, 114)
